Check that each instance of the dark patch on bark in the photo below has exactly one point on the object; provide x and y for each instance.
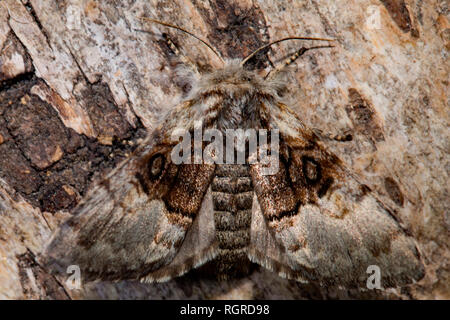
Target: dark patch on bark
(104, 114)
(57, 197)
(36, 128)
(393, 191)
(14, 167)
(363, 116)
(400, 14)
(235, 31)
(48, 164)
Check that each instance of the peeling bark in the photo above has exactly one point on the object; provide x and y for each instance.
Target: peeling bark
(79, 88)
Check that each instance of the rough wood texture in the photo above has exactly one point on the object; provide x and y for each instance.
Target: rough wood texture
(79, 87)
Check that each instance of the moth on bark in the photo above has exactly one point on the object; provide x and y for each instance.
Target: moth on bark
(312, 220)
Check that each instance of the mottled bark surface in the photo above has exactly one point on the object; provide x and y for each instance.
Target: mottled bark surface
(79, 88)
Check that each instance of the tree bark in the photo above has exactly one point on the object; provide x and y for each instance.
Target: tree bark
(80, 87)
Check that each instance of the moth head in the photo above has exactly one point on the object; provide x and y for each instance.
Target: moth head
(233, 73)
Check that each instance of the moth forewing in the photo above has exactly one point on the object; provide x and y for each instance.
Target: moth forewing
(134, 220)
(331, 227)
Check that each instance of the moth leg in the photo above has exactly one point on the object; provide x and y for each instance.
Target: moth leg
(344, 137)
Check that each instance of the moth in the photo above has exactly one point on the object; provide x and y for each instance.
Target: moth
(312, 221)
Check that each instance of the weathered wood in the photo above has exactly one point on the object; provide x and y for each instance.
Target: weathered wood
(79, 86)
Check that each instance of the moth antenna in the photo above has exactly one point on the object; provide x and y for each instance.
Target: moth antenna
(292, 58)
(251, 55)
(185, 31)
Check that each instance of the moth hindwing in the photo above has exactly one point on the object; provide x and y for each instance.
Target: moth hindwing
(155, 218)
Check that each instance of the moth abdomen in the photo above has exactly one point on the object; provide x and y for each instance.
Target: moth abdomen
(225, 220)
(231, 263)
(232, 193)
(233, 239)
(232, 185)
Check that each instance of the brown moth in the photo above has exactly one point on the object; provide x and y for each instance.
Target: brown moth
(152, 219)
